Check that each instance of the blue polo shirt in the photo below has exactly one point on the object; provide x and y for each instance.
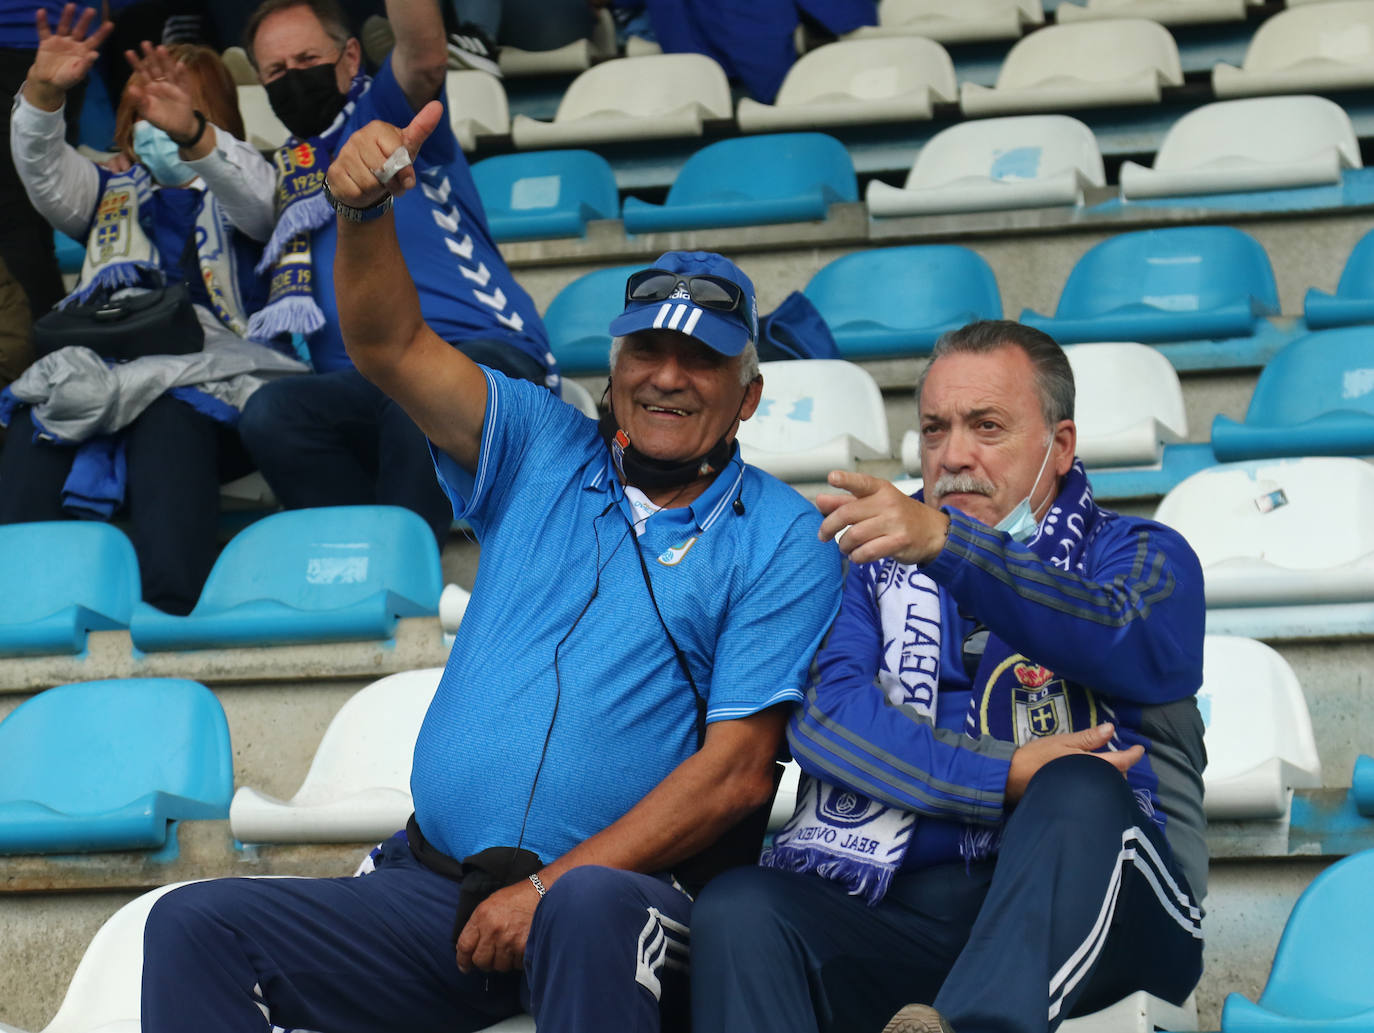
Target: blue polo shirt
(748, 599)
(466, 290)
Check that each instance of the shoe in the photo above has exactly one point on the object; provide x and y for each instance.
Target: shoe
(918, 1018)
(470, 47)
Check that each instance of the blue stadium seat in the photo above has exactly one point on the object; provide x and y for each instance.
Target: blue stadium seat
(579, 317)
(896, 301)
(783, 177)
(544, 194)
(1185, 283)
(70, 254)
(1362, 785)
(1314, 398)
(63, 579)
(1353, 301)
(1320, 977)
(308, 575)
(105, 765)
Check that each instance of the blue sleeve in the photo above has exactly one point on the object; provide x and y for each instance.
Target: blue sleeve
(1130, 626)
(846, 733)
(764, 653)
(521, 418)
(387, 101)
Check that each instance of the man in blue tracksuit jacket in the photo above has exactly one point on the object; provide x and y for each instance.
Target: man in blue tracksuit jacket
(1005, 653)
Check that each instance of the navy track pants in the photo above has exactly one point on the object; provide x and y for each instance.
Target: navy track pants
(607, 951)
(1082, 907)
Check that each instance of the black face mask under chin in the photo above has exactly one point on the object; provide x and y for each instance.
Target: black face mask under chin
(649, 474)
(306, 99)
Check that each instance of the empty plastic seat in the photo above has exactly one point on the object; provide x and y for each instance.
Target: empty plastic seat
(896, 301)
(70, 253)
(1362, 785)
(1259, 738)
(1129, 404)
(784, 177)
(1176, 284)
(971, 21)
(1314, 398)
(477, 106)
(1031, 161)
(358, 785)
(261, 126)
(1090, 65)
(578, 397)
(1261, 143)
(1353, 301)
(816, 415)
(579, 317)
(545, 193)
(892, 79)
(308, 575)
(1312, 48)
(63, 579)
(1274, 533)
(1166, 12)
(105, 765)
(1320, 977)
(633, 98)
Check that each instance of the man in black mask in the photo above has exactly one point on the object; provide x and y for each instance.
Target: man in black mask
(333, 438)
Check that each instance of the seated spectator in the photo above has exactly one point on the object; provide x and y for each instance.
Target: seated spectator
(150, 226)
(1003, 655)
(334, 438)
(755, 42)
(476, 27)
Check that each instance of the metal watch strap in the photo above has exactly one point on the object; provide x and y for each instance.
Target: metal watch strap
(347, 211)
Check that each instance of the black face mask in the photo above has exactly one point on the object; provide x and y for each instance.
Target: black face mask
(650, 474)
(306, 99)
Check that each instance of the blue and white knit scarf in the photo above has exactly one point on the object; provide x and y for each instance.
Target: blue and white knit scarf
(843, 835)
(301, 209)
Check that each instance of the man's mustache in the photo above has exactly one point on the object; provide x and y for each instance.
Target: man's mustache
(962, 484)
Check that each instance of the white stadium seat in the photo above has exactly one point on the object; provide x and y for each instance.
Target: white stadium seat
(476, 106)
(1026, 161)
(970, 21)
(261, 126)
(1312, 48)
(1259, 738)
(633, 98)
(1128, 403)
(816, 415)
(1279, 533)
(1260, 143)
(1089, 65)
(892, 79)
(1166, 12)
(578, 397)
(358, 785)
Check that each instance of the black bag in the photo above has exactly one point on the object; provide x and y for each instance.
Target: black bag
(161, 321)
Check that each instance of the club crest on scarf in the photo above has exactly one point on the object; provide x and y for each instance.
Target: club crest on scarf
(1042, 703)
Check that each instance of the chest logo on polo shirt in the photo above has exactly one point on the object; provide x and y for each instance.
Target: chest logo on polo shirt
(672, 557)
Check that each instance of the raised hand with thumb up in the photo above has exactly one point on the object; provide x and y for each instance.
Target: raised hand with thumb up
(366, 167)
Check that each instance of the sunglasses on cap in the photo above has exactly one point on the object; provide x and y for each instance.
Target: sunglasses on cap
(713, 292)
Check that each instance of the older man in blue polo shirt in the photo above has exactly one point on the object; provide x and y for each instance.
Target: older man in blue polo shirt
(645, 606)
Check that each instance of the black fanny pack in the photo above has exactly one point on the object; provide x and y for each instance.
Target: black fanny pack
(480, 875)
(161, 321)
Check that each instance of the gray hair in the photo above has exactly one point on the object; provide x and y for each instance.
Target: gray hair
(1053, 376)
(748, 360)
(330, 16)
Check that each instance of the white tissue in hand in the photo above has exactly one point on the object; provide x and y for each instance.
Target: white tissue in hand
(400, 158)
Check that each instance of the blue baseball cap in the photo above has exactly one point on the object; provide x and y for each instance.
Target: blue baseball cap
(673, 306)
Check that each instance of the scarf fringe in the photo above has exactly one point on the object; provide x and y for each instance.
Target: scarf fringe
(113, 278)
(979, 842)
(305, 216)
(859, 878)
(293, 314)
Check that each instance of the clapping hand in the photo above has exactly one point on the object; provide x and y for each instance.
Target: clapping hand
(162, 91)
(64, 55)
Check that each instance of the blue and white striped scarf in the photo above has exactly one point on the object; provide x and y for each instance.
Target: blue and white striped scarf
(861, 843)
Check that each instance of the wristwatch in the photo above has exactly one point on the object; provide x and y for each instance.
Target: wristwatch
(347, 211)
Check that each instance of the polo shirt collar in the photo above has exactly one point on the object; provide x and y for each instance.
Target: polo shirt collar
(706, 508)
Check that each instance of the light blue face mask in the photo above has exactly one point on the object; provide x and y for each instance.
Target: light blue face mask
(156, 150)
(1020, 523)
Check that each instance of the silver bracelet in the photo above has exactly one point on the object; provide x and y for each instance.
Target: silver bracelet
(537, 884)
(347, 211)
